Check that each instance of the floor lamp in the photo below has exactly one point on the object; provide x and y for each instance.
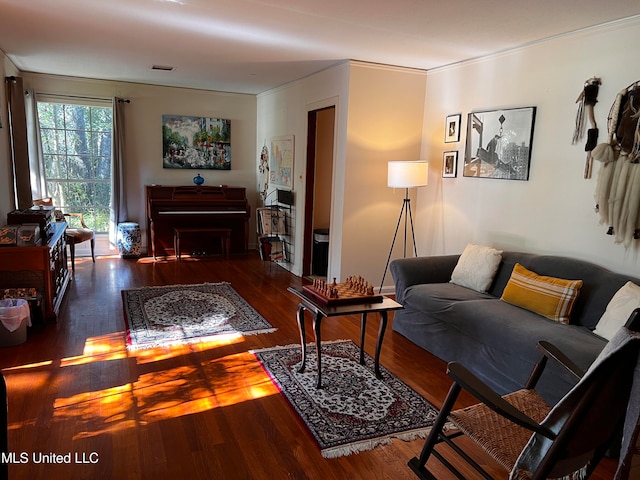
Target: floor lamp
(409, 174)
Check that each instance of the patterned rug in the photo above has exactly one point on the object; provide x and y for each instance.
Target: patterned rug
(354, 411)
(179, 314)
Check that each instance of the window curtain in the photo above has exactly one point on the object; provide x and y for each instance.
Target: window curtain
(36, 157)
(18, 141)
(118, 194)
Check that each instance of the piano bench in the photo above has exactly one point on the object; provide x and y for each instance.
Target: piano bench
(224, 234)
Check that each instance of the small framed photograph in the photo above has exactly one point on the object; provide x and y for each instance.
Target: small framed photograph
(452, 128)
(450, 164)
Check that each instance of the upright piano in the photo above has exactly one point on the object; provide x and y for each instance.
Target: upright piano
(221, 206)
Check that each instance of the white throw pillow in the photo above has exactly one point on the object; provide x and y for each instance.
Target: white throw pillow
(476, 267)
(625, 301)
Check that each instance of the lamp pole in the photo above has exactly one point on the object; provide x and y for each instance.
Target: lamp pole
(406, 211)
(405, 174)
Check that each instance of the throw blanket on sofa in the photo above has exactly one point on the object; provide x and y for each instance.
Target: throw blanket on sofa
(538, 445)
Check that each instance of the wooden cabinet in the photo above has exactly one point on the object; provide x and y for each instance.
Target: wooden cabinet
(44, 268)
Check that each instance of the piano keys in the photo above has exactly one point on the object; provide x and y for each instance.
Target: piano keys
(170, 207)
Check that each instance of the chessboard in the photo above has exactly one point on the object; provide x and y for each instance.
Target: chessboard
(354, 290)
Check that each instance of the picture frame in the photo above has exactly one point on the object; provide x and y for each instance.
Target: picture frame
(452, 128)
(281, 161)
(196, 142)
(450, 164)
(499, 143)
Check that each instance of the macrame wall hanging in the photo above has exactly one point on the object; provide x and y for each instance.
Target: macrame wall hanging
(586, 101)
(618, 186)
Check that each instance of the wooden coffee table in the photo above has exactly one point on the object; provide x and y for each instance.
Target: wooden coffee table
(320, 310)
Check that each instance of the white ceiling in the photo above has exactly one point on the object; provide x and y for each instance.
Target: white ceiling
(249, 46)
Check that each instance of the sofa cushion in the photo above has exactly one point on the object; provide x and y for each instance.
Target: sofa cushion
(437, 297)
(476, 267)
(515, 331)
(599, 286)
(625, 301)
(550, 297)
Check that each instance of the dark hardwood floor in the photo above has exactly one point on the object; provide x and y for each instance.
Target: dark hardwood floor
(204, 411)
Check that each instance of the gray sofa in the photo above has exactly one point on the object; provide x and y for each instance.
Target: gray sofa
(494, 339)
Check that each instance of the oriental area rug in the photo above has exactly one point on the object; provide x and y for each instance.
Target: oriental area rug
(353, 411)
(180, 314)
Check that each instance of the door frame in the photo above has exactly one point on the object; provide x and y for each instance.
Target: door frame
(307, 238)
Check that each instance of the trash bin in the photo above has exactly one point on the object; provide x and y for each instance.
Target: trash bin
(129, 240)
(320, 252)
(14, 318)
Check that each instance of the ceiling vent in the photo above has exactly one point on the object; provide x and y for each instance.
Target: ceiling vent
(164, 68)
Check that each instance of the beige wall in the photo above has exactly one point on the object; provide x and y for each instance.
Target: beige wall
(143, 132)
(385, 123)
(324, 169)
(553, 212)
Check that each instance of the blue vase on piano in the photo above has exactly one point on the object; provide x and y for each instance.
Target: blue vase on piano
(198, 180)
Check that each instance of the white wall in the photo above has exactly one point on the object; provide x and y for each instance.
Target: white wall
(283, 111)
(379, 113)
(143, 133)
(553, 212)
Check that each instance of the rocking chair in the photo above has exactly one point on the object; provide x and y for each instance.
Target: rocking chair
(532, 440)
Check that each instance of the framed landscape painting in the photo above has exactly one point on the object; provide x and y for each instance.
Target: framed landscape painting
(196, 142)
(499, 143)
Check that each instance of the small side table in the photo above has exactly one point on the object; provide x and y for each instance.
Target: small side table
(319, 311)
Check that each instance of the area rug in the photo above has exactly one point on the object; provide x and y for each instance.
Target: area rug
(353, 411)
(180, 314)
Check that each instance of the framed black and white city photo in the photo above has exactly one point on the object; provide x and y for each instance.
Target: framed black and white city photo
(450, 164)
(452, 128)
(499, 143)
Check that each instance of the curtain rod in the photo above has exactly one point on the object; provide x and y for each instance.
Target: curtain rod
(80, 97)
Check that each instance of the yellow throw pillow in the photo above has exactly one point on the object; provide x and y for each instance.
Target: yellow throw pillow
(548, 296)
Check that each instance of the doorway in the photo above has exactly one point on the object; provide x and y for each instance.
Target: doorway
(319, 181)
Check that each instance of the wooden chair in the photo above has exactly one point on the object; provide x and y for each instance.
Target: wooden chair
(74, 234)
(530, 439)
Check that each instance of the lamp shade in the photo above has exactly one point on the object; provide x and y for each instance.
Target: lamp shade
(408, 174)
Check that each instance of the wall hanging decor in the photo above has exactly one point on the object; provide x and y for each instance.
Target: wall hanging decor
(263, 172)
(499, 143)
(586, 101)
(452, 128)
(196, 142)
(281, 161)
(450, 164)
(618, 186)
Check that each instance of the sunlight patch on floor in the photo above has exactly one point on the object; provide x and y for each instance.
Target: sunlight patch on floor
(147, 392)
(163, 353)
(163, 394)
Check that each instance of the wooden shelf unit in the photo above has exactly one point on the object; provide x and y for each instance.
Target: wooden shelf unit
(48, 267)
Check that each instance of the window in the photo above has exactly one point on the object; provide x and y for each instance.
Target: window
(76, 144)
